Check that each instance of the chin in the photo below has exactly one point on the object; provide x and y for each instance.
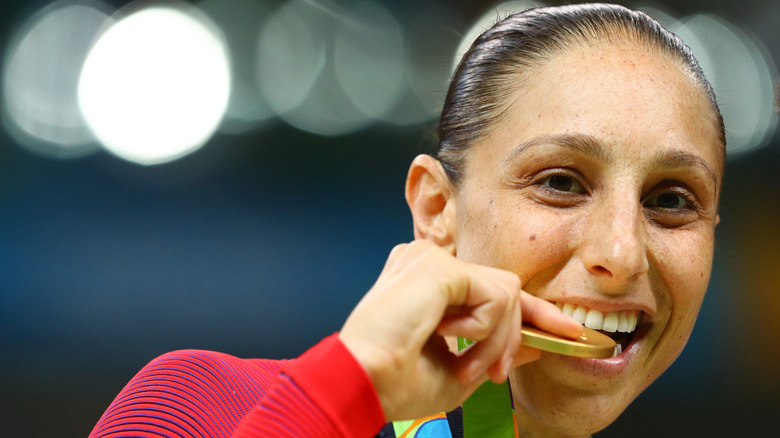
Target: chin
(569, 396)
(549, 408)
(572, 418)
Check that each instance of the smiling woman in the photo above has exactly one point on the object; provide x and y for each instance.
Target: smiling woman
(604, 157)
(581, 154)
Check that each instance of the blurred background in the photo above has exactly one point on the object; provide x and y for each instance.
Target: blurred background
(228, 175)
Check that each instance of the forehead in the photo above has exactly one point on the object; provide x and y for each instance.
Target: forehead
(633, 100)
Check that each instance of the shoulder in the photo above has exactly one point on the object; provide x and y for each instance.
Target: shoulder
(195, 392)
(210, 372)
(214, 363)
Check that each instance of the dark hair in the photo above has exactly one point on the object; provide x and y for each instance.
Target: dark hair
(490, 68)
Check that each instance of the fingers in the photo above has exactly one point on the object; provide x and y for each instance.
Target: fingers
(516, 341)
(424, 293)
(499, 348)
(489, 313)
(546, 316)
(526, 355)
(397, 259)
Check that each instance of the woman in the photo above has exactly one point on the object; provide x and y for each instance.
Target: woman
(580, 160)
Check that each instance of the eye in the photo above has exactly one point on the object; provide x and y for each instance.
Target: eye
(559, 187)
(667, 200)
(563, 183)
(671, 206)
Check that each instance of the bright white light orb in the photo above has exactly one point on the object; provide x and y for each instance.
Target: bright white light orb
(156, 85)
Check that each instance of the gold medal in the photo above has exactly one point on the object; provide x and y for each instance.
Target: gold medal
(591, 344)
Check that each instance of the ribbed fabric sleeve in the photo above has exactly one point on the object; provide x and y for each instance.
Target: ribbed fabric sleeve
(193, 393)
(340, 397)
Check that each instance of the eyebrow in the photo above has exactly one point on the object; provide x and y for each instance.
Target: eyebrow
(582, 143)
(672, 159)
(589, 145)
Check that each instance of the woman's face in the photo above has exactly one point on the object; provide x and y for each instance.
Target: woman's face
(599, 188)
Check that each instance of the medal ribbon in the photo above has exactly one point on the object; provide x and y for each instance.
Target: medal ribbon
(487, 413)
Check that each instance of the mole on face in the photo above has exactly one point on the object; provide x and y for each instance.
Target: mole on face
(532, 237)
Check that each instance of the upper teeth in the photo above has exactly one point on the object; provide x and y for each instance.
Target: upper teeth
(623, 321)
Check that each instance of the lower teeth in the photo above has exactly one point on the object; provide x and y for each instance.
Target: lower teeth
(621, 339)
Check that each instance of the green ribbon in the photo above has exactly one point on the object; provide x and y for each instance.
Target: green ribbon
(488, 412)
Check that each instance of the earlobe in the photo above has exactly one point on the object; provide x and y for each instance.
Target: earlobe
(429, 194)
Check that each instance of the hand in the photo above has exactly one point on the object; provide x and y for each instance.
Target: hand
(397, 330)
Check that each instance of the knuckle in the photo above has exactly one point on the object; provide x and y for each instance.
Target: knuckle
(482, 330)
(396, 252)
(514, 281)
(399, 248)
(503, 300)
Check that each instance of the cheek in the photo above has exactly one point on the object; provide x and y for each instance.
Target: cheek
(518, 238)
(685, 261)
(546, 242)
(684, 264)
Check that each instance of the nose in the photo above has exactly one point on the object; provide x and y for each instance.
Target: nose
(614, 247)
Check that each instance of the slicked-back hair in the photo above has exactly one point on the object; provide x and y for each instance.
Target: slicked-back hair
(489, 71)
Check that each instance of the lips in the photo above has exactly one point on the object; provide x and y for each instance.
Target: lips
(628, 327)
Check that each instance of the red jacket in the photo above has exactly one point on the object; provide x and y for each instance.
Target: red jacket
(192, 393)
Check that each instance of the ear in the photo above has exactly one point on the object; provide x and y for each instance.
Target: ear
(431, 199)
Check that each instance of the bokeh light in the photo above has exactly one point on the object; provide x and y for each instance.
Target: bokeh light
(296, 69)
(431, 37)
(106, 264)
(328, 68)
(487, 20)
(659, 14)
(156, 84)
(41, 74)
(241, 22)
(370, 60)
(741, 74)
(290, 56)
